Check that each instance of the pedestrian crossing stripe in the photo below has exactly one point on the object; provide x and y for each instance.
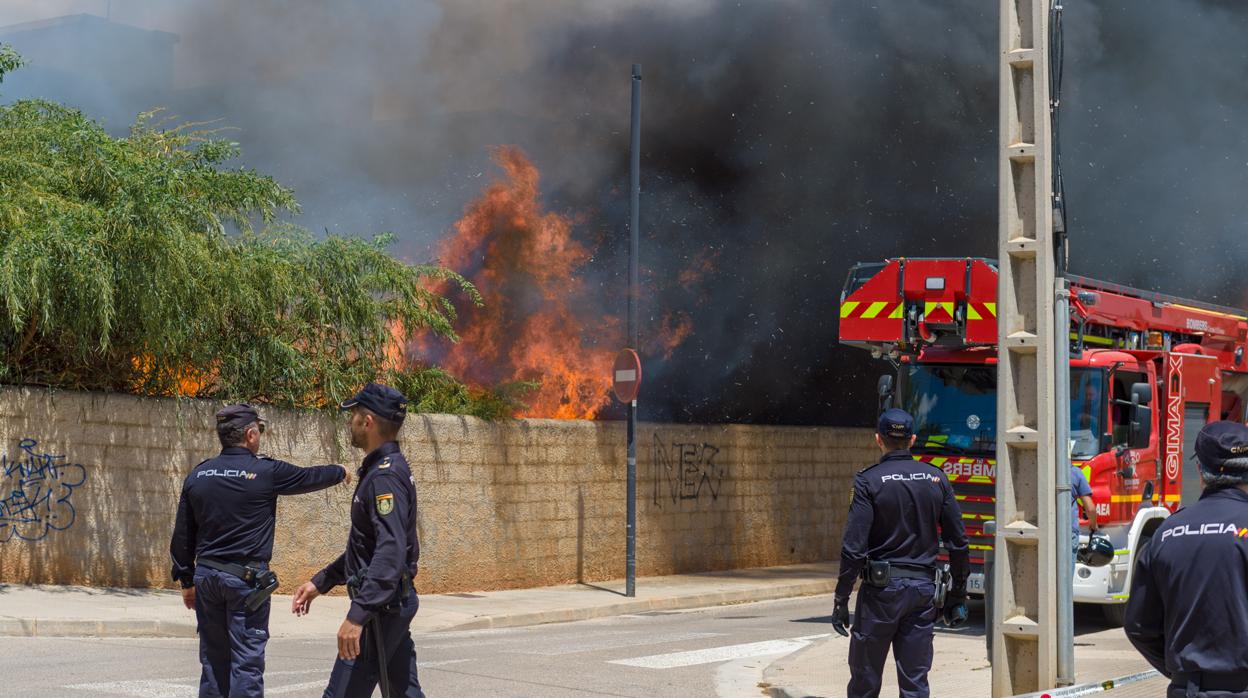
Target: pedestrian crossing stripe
(712, 655)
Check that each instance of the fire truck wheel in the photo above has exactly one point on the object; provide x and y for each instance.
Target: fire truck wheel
(1116, 614)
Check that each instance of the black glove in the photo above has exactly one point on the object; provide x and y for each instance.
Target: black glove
(954, 612)
(840, 616)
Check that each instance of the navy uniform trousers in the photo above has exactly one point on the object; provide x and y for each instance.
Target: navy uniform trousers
(901, 616)
(358, 677)
(231, 638)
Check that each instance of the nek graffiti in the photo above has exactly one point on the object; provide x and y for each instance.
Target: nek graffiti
(35, 492)
(686, 471)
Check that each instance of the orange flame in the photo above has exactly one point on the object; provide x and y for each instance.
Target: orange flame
(189, 380)
(525, 263)
(674, 330)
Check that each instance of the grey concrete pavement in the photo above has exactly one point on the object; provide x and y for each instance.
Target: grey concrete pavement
(960, 665)
(717, 652)
(78, 611)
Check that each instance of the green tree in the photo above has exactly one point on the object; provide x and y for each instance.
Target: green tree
(146, 264)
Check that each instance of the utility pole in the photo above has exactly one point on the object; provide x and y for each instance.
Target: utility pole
(1024, 608)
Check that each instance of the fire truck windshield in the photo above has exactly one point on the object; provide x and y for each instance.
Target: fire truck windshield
(955, 408)
(1087, 411)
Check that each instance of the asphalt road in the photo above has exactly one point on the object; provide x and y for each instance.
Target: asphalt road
(710, 652)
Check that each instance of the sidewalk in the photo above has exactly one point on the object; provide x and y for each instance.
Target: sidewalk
(960, 665)
(51, 611)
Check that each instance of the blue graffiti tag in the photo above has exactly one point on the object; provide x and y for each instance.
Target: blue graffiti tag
(34, 493)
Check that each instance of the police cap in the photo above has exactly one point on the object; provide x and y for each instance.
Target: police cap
(237, 415)
(381, 400)
(895, 423)
(1219, 442)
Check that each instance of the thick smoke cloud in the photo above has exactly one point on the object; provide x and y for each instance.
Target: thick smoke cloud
(783, 141)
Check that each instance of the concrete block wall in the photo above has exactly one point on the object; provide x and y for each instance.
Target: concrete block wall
(89, 488)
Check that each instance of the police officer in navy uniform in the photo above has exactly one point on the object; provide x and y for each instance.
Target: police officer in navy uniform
(375, 642)
(899, 511)
(1188, 608)
(222, 544)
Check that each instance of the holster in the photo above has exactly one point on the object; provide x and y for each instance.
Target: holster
(944, 581)
(263, 587)
(263, 582)
(877, 573)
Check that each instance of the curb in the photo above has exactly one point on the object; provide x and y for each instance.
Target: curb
(782, 692)
(73, 627)
(672, 603)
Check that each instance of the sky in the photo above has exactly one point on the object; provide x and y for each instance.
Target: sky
(782, 141)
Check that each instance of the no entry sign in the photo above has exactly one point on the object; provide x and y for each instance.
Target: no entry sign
(626, 375)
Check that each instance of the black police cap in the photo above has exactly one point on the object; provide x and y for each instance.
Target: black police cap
(895, 423)
(239, 415)
(1219, 442)
(381, 400)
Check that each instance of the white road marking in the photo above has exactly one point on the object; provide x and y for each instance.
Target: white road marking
(606, 642)
(712, 655)
(441, 662)
(188, 688)
(296, 687)
(140, 689)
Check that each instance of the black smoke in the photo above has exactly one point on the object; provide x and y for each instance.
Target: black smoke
(783, 140)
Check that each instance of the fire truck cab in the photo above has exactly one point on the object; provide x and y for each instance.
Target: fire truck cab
(1147, 371)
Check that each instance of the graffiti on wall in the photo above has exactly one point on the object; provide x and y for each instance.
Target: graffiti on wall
(35, 492)
(685, 471)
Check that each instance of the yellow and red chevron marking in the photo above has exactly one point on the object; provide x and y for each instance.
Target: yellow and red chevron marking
(938, 311)
(869, 310)
(980, 311)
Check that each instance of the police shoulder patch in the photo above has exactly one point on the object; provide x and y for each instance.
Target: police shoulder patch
(385, 503)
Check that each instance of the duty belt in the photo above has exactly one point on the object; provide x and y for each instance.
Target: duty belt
(905, 571)
(245, 571)
(1196, 681)
(355, 581)
(263, 581)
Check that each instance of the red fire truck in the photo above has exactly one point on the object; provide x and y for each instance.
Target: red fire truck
(1147, 371)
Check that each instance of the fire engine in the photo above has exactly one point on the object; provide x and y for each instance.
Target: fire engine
(1147, 371)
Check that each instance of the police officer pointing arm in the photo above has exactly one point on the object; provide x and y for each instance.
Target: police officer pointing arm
(222, 543)
(1188, 609)
(900, 509)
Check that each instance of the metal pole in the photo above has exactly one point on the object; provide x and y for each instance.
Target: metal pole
(990, 530)
(633, 299)
(1066, 583)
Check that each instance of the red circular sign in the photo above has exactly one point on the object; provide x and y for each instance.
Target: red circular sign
(626, 375)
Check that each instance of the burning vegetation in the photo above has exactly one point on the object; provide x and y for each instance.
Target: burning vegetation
(526, 265)
(537, 324)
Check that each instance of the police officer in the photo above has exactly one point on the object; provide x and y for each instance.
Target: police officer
(222, 544)
(375, 642)
(892, 539)
(1188, 608)
(1080, 494)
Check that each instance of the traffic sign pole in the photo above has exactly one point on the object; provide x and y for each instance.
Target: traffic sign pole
(633, 290)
